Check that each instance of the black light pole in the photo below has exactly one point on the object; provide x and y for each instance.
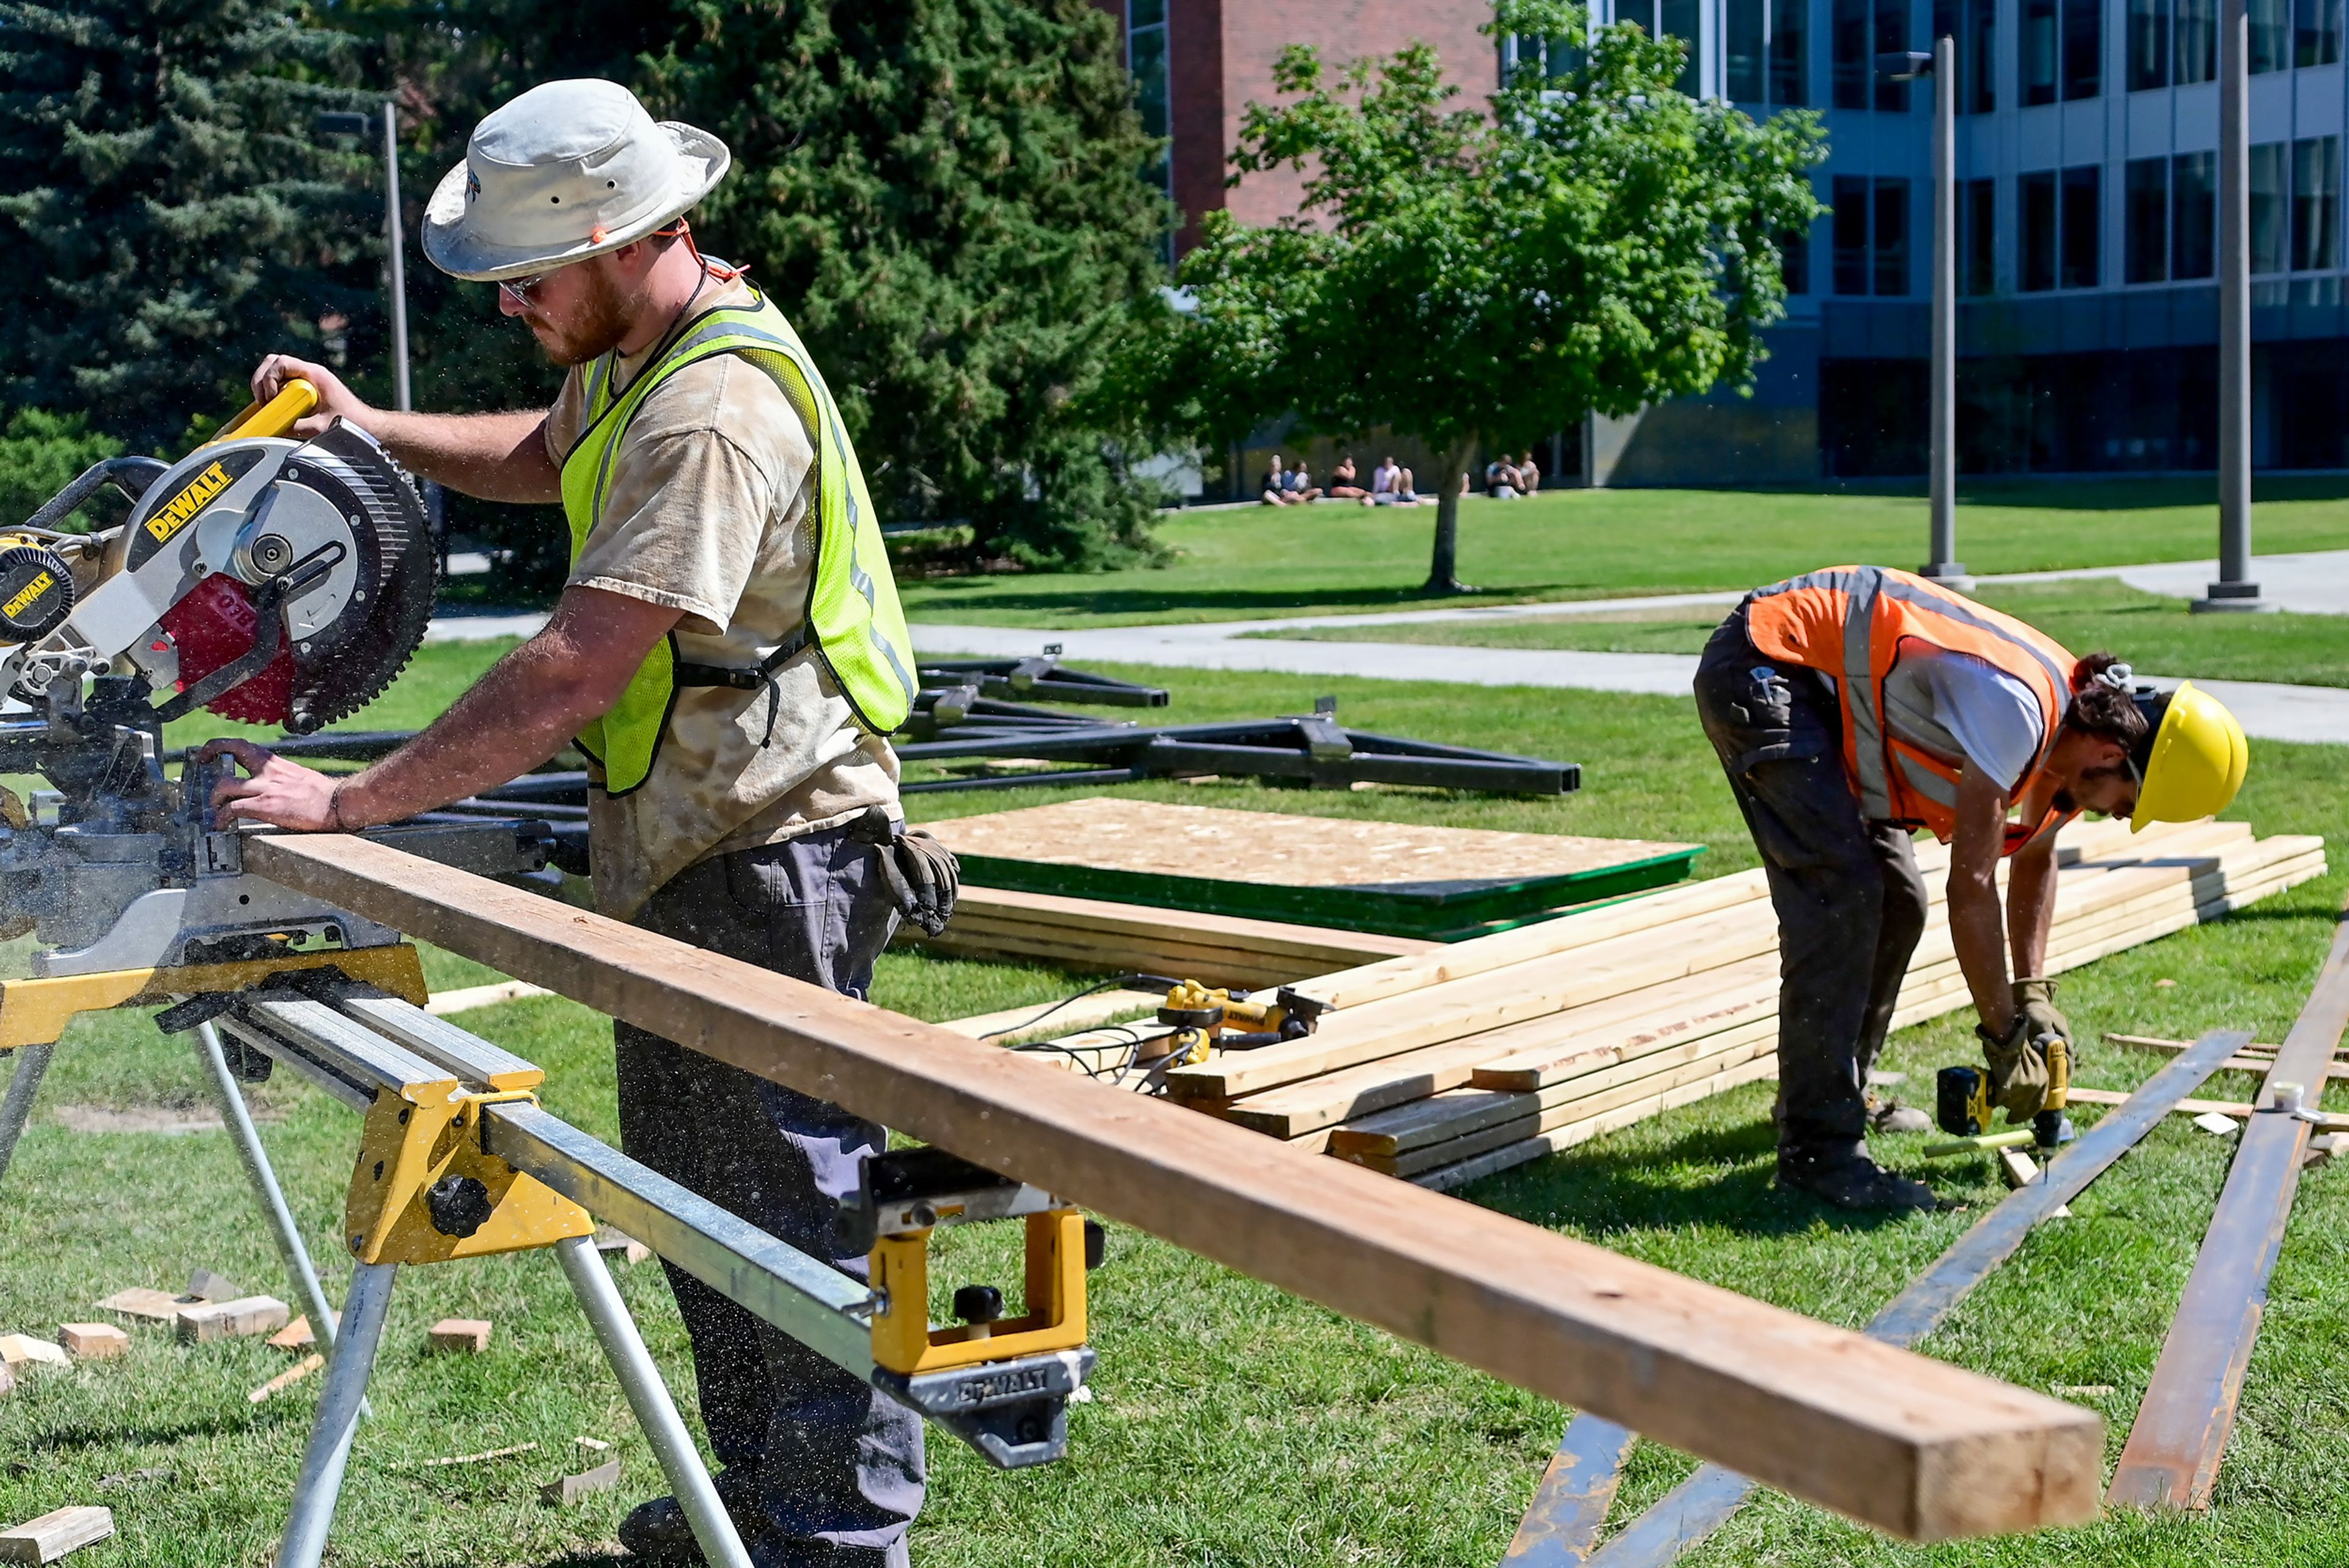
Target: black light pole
(1908, 64)
(2234, 590)
(341, 123)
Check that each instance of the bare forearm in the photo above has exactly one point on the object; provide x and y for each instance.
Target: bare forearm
(497, 457)
(2031, 909)
(1978, 930)
(523, 712)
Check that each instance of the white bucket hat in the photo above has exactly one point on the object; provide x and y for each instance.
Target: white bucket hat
(567, 171)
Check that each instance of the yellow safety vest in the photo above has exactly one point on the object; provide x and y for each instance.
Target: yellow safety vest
(853, 617)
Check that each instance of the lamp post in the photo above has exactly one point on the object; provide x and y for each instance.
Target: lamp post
(2234, 590)
(1943, 566)
(343, 123)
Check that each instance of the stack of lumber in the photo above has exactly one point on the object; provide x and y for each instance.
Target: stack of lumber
(1449, 1064)
(1399, 878)
(1096, 936)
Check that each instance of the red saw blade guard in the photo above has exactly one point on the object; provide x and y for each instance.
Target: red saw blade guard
(216, 625)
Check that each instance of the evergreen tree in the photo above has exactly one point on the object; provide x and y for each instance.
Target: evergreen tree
(168, 214)
(944, 196)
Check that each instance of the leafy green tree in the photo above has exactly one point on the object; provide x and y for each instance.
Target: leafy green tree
(168, 215)
(945, 195)
(40, 454)
(1592, 241)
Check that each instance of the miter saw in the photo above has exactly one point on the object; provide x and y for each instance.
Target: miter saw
(265, 578)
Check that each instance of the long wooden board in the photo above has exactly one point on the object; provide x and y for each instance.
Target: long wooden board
(1794, 1403)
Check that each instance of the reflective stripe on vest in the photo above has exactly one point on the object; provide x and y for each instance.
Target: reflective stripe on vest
(1849, 622)
(853, 619)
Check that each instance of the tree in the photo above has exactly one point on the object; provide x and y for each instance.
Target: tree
(944, 196)
(1593, 242)
(167, 211)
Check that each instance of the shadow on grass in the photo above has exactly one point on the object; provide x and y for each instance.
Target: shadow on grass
(1646, 1187)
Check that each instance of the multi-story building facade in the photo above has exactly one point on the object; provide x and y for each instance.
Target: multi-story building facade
(2087, 159)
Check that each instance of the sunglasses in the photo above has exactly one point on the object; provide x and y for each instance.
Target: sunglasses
(521, 290)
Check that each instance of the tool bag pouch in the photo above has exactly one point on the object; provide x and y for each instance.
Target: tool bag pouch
(2018, 1071)
(921, 873)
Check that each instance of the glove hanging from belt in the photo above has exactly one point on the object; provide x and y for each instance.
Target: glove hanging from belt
(920, 873)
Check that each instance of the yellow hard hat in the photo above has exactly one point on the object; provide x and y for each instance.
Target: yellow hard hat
(2193, 761)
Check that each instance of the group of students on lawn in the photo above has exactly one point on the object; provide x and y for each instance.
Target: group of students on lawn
(1505, 479)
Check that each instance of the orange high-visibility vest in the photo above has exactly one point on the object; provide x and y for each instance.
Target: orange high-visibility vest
(1851, 623)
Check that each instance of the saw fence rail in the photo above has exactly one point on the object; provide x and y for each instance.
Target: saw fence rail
(1776, 1396)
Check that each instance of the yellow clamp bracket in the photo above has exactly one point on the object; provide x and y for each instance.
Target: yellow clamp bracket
(425, 1191)
(903, 1339)
(295, 400)
(35, 1012)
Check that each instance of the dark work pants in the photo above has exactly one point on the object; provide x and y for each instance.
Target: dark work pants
(1850, 901)
(839, 1464)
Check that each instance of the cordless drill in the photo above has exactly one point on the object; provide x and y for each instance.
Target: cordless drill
(1963, 1102)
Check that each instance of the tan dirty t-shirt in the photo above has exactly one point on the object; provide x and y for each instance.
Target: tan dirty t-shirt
(707, 513)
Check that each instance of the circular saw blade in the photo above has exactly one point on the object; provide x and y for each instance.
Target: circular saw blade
(338, 668)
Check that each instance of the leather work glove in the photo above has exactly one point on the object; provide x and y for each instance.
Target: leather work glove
(2018, 1070)
(920, 873)
(2035, 999)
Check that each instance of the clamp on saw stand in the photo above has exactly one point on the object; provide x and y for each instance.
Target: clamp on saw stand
(283, 582)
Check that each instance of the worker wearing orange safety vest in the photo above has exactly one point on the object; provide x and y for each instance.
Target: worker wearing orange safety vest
(1854, 705)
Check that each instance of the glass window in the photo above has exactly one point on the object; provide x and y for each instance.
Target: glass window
(2271, 22)
(1850, 234)
(2193, 214)
(2145, 257)
(1854, 62)
(1795, 261)
(1643, 11)
(2316, 32)
(2316, 204)
(1145, 12)
(1977, 71)
(2083, 225)
(2148, 44)
(1745, 50)
(1891, 37)
(1145, 62)
(1891, 236)
(2039, 43)
(2195, 34)
(1680, 21)
(2035, 195)
(1977, 236)
(1790, 75)
(2084, 48)
(2268, 210)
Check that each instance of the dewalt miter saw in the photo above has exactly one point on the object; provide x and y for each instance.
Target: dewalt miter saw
(268, 579)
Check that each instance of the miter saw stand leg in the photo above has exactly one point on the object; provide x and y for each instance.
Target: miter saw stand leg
(16, 1109)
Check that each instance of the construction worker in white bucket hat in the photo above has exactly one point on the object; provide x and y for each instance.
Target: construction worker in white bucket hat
(729, 655)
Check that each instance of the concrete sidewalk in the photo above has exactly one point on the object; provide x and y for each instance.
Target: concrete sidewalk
(2268, 709)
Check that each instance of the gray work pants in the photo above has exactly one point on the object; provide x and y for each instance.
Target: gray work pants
(839, 1465)
(1850, 901)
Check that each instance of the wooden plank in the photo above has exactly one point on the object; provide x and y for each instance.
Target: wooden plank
(1446, 1177)
(2328, 1121)
(1705, 1501)
(1014, 1023)
(210, 1320)
(2171, 1458)
(1570, 1506)
(54, 1535)
(1797, 1403)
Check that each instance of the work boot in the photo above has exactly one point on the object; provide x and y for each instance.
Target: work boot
(658, 1530)
(1892, 1116)
(1854, 1183)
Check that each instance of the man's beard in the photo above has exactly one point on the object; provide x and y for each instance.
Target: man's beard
(605, 317)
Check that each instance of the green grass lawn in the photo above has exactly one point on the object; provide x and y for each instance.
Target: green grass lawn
(1579, 544)
(2158, 635)
(1234, 1425)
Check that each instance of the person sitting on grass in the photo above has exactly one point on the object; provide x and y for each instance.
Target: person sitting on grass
(1528, 474)
(1342, 481)
(1501, 479)
(1276, 485)
(1300, 486)
(1390, 485)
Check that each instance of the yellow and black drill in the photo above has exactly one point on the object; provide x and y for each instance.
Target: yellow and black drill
(1964, 1097)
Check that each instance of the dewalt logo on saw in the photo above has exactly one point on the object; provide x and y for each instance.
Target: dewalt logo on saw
(175, 512)
(28, 596)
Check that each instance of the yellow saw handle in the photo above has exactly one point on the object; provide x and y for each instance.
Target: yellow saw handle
(295, 400)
